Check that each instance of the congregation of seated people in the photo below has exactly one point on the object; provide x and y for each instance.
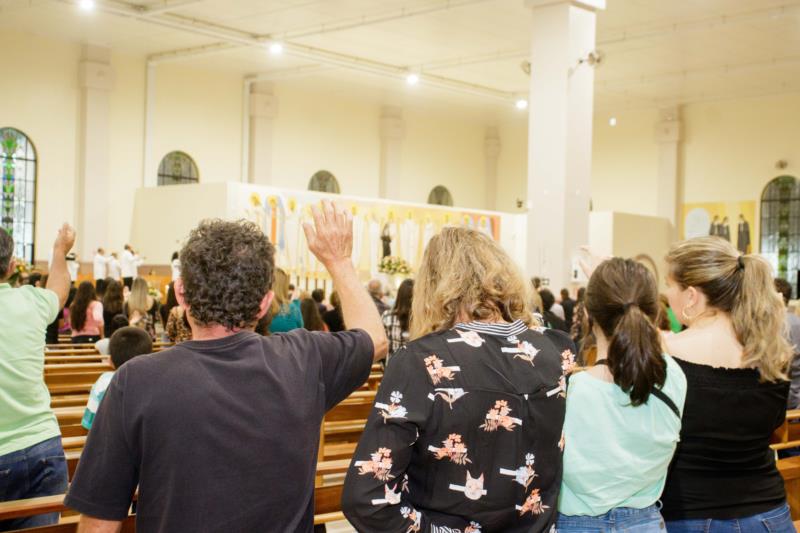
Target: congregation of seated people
(500, 407)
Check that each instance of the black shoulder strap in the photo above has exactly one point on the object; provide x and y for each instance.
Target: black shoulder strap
(655, 392)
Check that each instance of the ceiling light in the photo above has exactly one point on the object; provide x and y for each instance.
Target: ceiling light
(612, 121)
(86, 5)
(412, 78)
(276, 48)
(522, 104)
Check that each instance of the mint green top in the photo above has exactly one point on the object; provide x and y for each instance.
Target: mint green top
(615, 454)
(25, 415)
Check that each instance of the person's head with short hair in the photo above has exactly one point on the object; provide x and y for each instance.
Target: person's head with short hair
(227, 270)
(101, 251)
(548, 300)
(375, 288)
(35, 279)
(536, 281)
(128, 247)
(174, 256)
(128, 342)
(564, 295)
(117, 322)
(6, 254)
(465, 276)
(784, 288)
(622, 304)
(318, 295)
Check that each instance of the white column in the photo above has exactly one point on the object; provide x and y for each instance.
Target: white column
(392, 131)
(668, 136)
(491, 152)
(263, 111)
(96, 79)
(559, 134)
(149, 164)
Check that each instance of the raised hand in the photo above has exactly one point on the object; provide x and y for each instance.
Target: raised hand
(65, 239)
(330, 239)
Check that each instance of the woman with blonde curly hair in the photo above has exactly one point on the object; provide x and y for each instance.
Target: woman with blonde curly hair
(723, 476)
(466, 430)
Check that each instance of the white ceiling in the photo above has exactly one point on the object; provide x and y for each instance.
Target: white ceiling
(657, 52)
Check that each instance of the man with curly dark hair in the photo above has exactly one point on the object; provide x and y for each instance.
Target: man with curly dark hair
(221, 433)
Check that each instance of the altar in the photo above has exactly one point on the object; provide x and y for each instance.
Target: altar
(163, 217)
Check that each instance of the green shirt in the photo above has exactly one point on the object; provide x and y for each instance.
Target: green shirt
(674, 325)
(617, 455)
(25, 415)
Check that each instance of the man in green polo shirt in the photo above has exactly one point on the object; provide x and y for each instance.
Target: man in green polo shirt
(32, 459)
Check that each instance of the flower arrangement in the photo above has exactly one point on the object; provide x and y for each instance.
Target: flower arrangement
(394, 265)
(21, 270)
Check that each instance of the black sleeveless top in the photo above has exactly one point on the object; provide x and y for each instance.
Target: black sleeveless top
(723, 467)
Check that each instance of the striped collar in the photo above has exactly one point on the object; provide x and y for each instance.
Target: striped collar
(503, 329)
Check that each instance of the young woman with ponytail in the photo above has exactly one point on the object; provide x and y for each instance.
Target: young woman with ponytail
(624, 413)
(723, 477)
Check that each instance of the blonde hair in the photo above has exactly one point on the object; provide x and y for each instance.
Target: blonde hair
(280, 286)
(138, 298)
(465, 273)
(742, 286)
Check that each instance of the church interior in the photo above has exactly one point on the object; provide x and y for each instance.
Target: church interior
(549, 126)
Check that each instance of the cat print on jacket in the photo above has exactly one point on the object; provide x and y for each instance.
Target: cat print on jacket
(472, 488)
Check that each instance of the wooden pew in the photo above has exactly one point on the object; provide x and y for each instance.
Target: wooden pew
(785, 437)
(327, 504)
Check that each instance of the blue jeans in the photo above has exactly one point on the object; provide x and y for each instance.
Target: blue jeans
(40, 470)
(776, 520)
(647, 520)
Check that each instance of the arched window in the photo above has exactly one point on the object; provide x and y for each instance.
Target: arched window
(324, 181)
(780, 227)
(18, 209)
(440, 196)
(177, 168)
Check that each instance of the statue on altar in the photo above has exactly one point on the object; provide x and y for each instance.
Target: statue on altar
(386, 238)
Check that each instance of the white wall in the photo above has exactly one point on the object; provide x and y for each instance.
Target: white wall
(40, 97)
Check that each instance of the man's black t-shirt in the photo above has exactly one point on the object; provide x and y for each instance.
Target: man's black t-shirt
(221, 435)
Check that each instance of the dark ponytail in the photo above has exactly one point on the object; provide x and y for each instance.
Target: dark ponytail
(622, 299)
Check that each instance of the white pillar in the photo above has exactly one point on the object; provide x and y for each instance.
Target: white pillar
(263, 111)
(392, 131)
(149, 164)
(491, 152)
(668, 136)
(559, 134)
(96, 79)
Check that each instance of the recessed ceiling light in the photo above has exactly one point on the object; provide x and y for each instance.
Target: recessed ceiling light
(276, 48)
(86, 5)
(412, 79)
(522, 104)
(612, 121)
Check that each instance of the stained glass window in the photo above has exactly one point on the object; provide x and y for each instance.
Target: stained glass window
(18, 206)
(780, 227)
(177, 168)
(324, 181)
(439, 195)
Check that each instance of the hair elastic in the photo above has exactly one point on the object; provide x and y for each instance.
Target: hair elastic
(740, 261)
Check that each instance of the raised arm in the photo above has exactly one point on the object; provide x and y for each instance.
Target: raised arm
(58, 280)
(331, 241)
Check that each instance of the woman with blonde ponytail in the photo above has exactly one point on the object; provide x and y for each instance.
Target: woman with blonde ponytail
(623, 414)
(734, 355)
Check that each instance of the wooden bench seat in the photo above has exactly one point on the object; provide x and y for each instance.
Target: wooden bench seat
(69, 400)
(79, 368)
(72, 359)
